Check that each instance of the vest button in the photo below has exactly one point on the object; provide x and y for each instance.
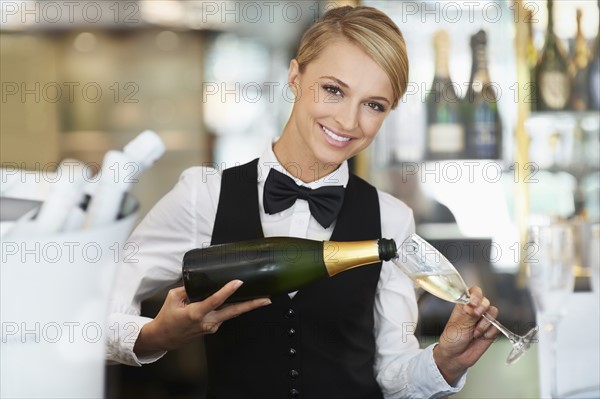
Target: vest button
(294, 393)
(294, 374)
(290, 313)
(291, 332)
(292, 352)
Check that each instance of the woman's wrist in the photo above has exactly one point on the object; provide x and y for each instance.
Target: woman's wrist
(148, 341)
(447, 367)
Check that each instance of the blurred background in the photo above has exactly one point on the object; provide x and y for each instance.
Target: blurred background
(477, 165)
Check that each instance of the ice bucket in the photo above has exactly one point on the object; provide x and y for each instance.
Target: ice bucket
(54, 296)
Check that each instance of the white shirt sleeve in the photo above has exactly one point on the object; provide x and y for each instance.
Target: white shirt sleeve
(180, 221)
(402, 369)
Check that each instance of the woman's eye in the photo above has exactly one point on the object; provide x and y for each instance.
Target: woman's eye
(376, 106)
(333, 90)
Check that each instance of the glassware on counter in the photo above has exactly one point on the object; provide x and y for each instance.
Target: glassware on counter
(594, 256)
(550, 261)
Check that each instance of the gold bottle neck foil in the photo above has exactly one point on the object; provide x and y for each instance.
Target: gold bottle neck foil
(340, 256)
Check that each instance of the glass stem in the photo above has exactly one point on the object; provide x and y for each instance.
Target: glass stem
(552, 338)
(512, 337)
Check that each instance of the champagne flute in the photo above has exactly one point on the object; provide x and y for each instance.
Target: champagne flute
(550, 260)
(429, 269)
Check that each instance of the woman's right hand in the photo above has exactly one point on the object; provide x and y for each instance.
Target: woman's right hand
(180, 322)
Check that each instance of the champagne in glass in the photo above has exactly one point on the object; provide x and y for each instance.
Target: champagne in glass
(429, 269)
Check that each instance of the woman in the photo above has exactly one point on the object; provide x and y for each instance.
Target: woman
(345, 337)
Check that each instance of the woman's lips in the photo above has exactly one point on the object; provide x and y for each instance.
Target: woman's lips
(334, 138)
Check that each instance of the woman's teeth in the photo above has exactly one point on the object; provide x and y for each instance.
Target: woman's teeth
(335, 136)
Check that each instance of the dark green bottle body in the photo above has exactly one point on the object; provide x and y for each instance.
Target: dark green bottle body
(481, 114)
(275, 265)
(445, 130)
(267, 267)
(594, 73)
(552, 72)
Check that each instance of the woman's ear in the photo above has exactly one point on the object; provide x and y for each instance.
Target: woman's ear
(294, 77)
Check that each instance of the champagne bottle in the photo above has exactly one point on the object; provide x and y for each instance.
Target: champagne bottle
(482, 119)
(61, 201)
(552, 73)
(445, 131)
(120, 169)
(594, 73)
(275, 265)
(532, 60)
(579, 69)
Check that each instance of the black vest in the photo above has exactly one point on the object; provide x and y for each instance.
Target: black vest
(318, 345)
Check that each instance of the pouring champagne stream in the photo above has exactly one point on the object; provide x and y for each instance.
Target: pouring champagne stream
(429, 269)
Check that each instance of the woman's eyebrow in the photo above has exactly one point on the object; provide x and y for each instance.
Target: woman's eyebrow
(341, 83)
(380, 99)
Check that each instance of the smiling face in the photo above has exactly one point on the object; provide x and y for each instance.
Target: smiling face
(342, 98)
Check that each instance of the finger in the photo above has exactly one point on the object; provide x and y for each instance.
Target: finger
(479, 310)
(476, 296)
(468, 315)
(215, 300)
(478, 304)
(177, 296)
(484, 325)
(477, 347)
(237, 309)
(491, 332)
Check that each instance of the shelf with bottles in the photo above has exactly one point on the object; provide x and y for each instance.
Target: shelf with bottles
(565, 141)
(435, 119)
(564, 125)
(460, 100)
(565, 74)
(468, 127)
(564, 150)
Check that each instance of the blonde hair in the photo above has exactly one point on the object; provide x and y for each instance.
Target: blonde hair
(369, 29)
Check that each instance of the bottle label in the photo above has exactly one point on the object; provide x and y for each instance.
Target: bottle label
(483, 136)
(446, 138)
(554, 89)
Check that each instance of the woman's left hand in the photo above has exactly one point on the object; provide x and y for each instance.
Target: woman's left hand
(466, 337)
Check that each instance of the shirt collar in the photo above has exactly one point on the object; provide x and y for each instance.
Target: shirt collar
(268, 160)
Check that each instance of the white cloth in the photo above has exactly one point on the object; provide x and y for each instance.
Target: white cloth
(184, 219)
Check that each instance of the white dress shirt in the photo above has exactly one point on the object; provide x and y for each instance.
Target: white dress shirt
(184, 218)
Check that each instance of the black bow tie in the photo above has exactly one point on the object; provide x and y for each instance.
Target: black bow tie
(281, 192)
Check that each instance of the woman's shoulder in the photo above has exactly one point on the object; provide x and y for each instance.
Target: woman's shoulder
(388, 202)
(201, 173)
(201, 181)
(397, 218)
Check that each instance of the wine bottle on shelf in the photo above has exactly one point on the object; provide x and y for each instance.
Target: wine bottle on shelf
(532, 60)
(482, 119)
(275, 265)
(579, 69)
(594, 73)
(552, 72)
(445, 130)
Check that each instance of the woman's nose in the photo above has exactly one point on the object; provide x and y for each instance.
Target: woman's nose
(347, 117)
